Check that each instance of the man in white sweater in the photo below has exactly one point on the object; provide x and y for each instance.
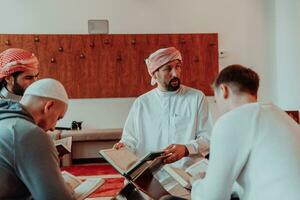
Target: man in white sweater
(255, 144)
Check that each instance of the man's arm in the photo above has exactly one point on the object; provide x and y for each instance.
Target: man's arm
(130, 134)
(203, 131)
(37, 166)
(229, 152)
(199, 145)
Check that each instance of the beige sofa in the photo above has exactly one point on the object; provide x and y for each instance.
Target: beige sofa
(87, 143)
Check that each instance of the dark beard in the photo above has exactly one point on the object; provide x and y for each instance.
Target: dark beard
(17, 89)
(171, 87)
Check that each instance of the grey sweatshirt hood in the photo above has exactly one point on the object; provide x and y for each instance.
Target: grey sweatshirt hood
(11, 109)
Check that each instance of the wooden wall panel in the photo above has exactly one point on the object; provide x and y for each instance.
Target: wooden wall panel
(103, 66)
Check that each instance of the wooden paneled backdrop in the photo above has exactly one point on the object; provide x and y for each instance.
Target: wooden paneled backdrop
(103, 66)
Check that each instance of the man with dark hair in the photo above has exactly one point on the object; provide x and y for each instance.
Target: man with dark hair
(253, 143)
(18, 69)
(172, 117)
(240, 78)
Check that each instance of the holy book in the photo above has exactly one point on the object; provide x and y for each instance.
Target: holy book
(187, 176)
(81, 189)
(127, 163)
(63, 146)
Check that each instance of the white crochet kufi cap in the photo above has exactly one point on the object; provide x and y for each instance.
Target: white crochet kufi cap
(49, 88)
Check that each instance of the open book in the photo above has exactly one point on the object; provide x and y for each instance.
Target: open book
(63, 146)
(127, 163)
(185, 177)
(81, 189)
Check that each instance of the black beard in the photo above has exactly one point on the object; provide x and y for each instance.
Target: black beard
(17, 89)
(170, 87)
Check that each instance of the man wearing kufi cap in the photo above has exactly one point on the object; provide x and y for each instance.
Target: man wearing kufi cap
(18, 69)
(28, 159)
(172, 117)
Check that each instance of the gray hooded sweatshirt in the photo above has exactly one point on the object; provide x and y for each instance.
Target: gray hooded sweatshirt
(28, 159)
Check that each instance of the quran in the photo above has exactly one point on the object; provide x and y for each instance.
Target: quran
(81, 189)
(63, 146)
(186, 177)
(127, 163)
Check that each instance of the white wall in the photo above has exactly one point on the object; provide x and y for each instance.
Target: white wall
(98, 113)
(288, 53)
(244, 28)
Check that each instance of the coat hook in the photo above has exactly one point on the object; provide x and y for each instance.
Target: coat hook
(133, 42)
(196, 59)
(60, 49)
(36, 39)
(53, 60)
(119, 58)
(106, 41)
(211, 44)
(7, 43)
(92, 44)
(182, 41)
(81, 56)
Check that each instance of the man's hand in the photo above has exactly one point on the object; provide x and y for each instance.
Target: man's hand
(119, 145)
(175, 152)
(70, 188)
(200, 175)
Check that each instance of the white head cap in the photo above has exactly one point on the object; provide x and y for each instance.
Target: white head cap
(49, 88)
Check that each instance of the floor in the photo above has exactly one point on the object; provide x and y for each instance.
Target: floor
(105, 176)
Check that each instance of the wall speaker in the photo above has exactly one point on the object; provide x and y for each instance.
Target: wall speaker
(98, 26)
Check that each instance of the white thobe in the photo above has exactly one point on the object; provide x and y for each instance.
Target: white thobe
(5, 94)
(158, 119)
(256, 144)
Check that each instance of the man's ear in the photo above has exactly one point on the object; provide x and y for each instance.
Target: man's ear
(9, 80)
(225, 90)
(48, 105)
(155, 75)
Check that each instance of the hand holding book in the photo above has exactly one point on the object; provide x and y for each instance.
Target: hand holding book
(63, 146)
(175, 152)
(126, 162)
(138, 172)
(119, 145)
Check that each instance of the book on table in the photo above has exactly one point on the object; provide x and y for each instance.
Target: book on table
(185, 177)
(81, 189)
(63, 146)
(127, 163)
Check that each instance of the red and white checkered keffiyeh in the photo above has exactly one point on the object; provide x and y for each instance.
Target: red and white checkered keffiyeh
(161, 57)
(16, 60)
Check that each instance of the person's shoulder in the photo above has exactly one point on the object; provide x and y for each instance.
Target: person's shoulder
(237, 116)
(192, 91)
(143, 99)
(27, 128)
(146, 96)
(28, 135)
(225, 126)
(192, 94)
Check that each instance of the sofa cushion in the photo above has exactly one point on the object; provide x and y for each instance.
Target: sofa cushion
(92, 134)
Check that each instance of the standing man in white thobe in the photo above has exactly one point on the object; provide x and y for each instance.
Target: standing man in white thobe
(172, 117)
(253, 143)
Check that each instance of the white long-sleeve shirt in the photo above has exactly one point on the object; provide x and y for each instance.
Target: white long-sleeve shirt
(258, 145)
(158, 119)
